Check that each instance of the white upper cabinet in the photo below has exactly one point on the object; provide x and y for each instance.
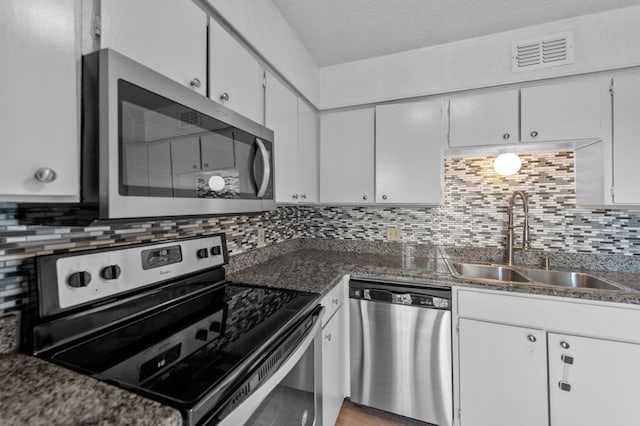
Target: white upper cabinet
(307, 153)
(169, 36)
(408, 160)
(626, 138)
(282, 118)
(562, 111)
(236, 78)
(484, 119)
(347, 156)
(39, 83)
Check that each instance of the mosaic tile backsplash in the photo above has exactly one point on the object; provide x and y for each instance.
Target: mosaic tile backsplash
(473, 213)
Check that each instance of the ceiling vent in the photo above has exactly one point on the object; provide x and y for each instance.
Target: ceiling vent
(543, 52)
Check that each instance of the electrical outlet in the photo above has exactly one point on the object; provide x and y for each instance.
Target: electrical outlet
(261, 237)
(393, 234)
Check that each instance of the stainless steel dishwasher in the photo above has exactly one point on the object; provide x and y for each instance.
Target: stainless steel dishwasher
(401, 349)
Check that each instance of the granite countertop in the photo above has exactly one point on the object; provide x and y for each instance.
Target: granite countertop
(36, 392)
(316, 270)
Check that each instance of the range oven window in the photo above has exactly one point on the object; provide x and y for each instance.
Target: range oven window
(293, 401)
(169, 150)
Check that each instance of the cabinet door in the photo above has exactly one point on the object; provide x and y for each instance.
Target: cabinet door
(282, 118)
(562, 111)
(333, 362)
(39, 82)
(347, 156)
(169, 36)
(235, 76)
(503, 375)
(484, 119)
(307, 153)
(626, 139)
(593, 382)
(409, 153)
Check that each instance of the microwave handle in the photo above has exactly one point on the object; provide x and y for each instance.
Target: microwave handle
(266, 170)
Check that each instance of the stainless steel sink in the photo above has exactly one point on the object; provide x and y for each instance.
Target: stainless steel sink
(487, 272)
(491, 273)
(569, 279)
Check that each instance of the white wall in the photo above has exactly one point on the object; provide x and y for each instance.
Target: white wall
(264, 28)
(602, 41)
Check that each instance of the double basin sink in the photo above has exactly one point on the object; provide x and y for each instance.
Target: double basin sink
(502, 273)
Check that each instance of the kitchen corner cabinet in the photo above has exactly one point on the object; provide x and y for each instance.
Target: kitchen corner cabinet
(40, 87)
(295, 133)
(562, 111)
(408, 153)
(236, 78)
(307, 153)
(347, 156)
(169, 37)
(489, 118)
(334, 355)
(574, 365)
(626, 138)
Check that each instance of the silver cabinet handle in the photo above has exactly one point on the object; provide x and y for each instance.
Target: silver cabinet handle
(534, 134)
(45, 175)
(224, 97)
(266, 167)
(364, 197)
(327, 337)
(384, 197)
(294, 196)
(531, 338)
(564, 345)
(195, 83)
(564, 386)
(506, 136)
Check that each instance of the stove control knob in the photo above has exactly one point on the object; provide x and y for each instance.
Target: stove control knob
(216, 250)
(79, 279)
(201, 335)
(202, 253)
(111, 272)
(215, 327)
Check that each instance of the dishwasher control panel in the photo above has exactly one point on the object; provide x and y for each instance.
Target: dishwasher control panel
(403, 296)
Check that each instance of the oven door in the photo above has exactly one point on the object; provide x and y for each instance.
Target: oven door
(292, 395)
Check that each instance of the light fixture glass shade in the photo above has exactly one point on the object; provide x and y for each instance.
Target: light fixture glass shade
(216, 183)
(507, 164)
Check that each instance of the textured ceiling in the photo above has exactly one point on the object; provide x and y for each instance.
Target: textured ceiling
(338, 31)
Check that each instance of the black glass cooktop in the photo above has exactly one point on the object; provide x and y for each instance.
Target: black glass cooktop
(184, 352)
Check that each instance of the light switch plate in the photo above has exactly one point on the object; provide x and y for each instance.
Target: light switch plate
(393, 234)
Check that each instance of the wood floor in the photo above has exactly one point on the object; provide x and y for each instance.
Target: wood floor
(357, 415)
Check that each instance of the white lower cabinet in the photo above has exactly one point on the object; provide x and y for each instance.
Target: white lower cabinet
(333, 367)
(538, 360)
(503, 375)
(334, 352)
(593, 382)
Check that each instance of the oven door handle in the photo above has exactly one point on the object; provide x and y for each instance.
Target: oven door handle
(243, 412)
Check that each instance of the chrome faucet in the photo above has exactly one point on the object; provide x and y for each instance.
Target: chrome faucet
(525, 231)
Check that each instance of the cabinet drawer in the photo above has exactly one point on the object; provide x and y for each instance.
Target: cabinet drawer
(615, 321)
(332, 301)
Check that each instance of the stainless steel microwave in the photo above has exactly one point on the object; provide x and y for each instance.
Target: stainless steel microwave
(152, 147)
